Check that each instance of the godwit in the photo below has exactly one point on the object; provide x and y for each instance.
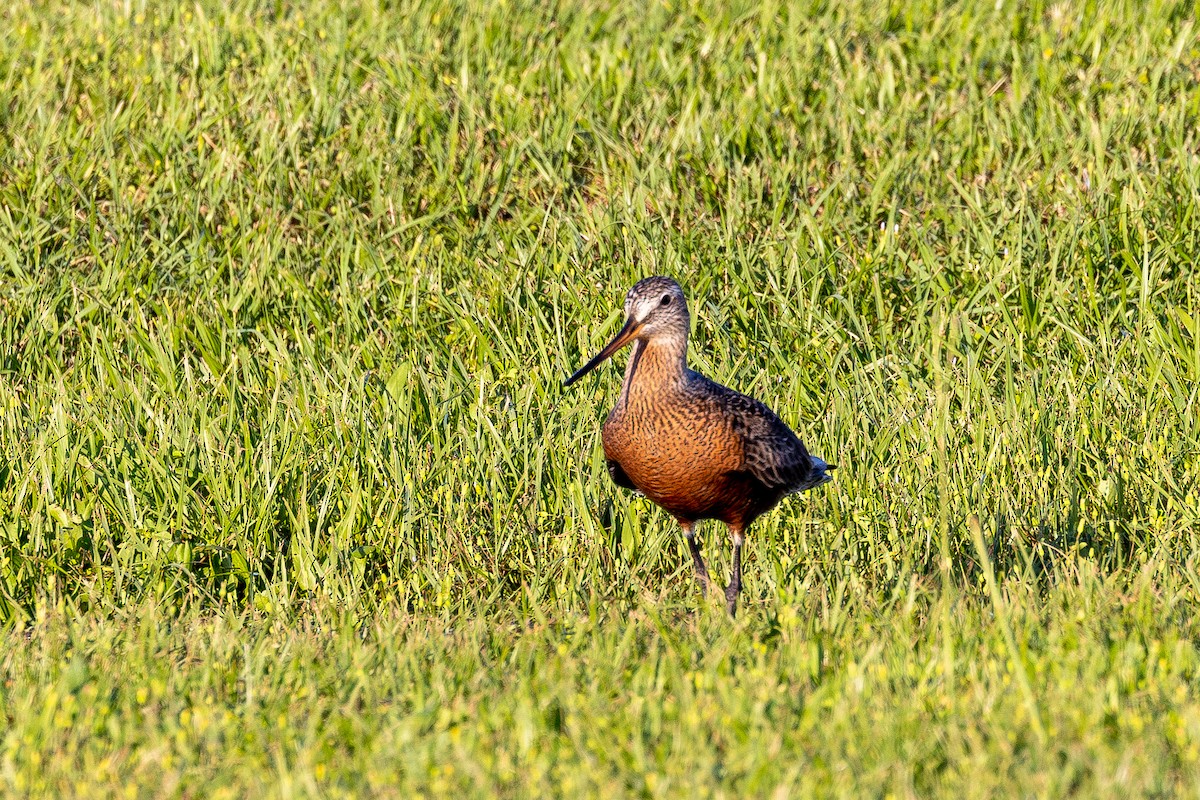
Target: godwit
(693, 446)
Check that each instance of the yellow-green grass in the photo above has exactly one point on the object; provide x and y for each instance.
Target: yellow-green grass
(292, 502)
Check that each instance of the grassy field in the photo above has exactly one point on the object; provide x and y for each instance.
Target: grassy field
(292, 502)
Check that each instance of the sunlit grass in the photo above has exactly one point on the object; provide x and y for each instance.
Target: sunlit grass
(292, 501)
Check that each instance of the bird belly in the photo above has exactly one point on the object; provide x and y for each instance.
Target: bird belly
(691, 477)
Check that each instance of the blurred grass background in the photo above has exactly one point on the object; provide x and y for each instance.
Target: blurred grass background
(292, 502)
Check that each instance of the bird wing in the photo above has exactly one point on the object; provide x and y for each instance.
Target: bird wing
(772, 453)
(618, 475)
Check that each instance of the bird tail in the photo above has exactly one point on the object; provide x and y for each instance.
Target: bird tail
(821, 471)
(817, 475)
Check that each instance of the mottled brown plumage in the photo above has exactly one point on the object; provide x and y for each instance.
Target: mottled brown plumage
(693, 446)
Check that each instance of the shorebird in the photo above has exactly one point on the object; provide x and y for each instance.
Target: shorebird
(696, 448)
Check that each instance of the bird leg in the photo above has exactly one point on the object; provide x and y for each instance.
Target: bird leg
(689, 532)
(735, 583)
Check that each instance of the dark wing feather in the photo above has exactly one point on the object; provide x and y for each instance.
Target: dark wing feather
(618, 475)
(773, 454)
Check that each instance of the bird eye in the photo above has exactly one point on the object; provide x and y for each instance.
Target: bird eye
(666, 301)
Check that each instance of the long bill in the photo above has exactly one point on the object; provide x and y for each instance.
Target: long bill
(627, 334)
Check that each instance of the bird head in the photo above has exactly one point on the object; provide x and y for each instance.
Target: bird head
(655, 311)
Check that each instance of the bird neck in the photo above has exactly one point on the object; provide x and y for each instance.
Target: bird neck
(656, 365)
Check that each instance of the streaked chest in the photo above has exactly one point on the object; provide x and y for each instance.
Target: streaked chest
(671, 446)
